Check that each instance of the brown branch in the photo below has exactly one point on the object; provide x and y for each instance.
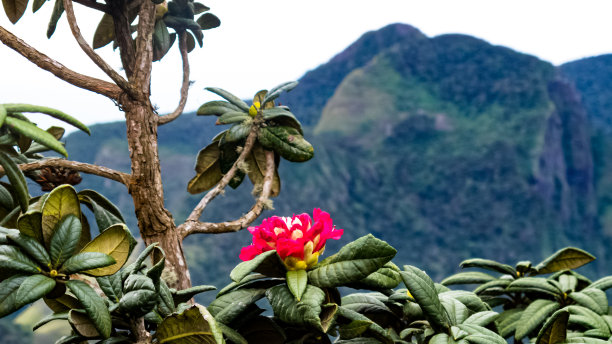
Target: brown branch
(143, 61)
(185, 87)
(93, 4)
(101, 171)
(248, 145)
(194, 226)
(76, 32)
(62, 72)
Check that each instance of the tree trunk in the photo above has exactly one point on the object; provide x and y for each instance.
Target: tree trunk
(154, 221)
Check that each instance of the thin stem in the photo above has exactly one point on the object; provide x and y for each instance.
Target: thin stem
(59, 70)
(185, 86)
(76, 32)
(194, 226)
(93, 4)
(101, 171)
(248, 145)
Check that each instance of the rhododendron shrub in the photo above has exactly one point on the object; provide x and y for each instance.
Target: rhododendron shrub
(298, 240)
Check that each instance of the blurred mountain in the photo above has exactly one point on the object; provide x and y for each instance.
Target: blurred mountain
(447, 147)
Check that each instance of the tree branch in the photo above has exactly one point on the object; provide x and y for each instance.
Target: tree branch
(94, 4)
(248, 145)
(62, 72)
(185, 87)
(105, 172)
(143, 61)
(194, 226)
(76, 32)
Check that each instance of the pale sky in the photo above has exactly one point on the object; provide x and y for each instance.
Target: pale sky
(263, 43)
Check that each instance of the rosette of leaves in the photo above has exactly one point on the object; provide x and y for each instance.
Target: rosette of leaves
(424, 312)
(304, 302)
(20, 142)
(277, 129)
(529, 300)
(50, 248)
(179, 15)
(137, 290)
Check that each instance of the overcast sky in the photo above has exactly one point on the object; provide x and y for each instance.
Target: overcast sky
(263, 43)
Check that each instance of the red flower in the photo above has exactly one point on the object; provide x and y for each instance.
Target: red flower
(298, 240)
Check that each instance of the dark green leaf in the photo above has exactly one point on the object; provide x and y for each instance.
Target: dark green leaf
(208, 21)
(50, 318)
(138, 302)
(161, 40)
(232, 117)
(229, 97)
(278, 116)
(421, 287)
(593, 299)
(276, 91)
(48, 111)
(32, 247)
(94, 305)
(217, 108)
(82, 324)
(208, 169)
(238, 131)
(534, 315)
(105, 212)
(13, 259)
(228, 307)
(286, 141)
(186, 294)
(267, 263)
(58, 10)
(489, 265)
(33, 288)
(471, 277)
(303, 313)
(65, 240)
(481, 318)
(533, 284)
(555, 328)
(61, 202)
(86, 261)
(564, 259)
(297, 281)
(33, 132)
(17, 180)
(603, 283)
(112, 286)
(352, 263)
(8, 293)
(105, 32)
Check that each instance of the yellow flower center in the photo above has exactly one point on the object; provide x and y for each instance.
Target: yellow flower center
(53, 273)
(254, 109)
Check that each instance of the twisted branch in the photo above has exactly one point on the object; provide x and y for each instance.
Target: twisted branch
(101, 171)
(194, 226)
(62, 72)
(185, 87)
(76, 32)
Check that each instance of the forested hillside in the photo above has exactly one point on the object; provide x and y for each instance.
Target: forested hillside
(447, 147)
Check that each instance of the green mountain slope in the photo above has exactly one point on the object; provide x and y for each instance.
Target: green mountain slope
(447, 147)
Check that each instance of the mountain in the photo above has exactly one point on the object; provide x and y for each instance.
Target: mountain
(447, 147)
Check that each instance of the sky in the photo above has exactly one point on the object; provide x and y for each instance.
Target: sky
(263, 43)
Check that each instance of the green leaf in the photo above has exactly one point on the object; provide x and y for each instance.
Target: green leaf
(297, 313)
(165, 303)
(161, 40)
(114, 241)
(17, 180)
(469, 299)
(471, 277)
(32, 247)
(591, 298)
(86, 261)
(3, 114)
(297, 281)
(138, 302)
(105, 212)
(257, 169)
(185, 295)
(387, 277)
(481, 318)
(354, 329)
(58, 10)
(217, 108)
(33, 288)
(565, 259)
(61, 202)
(534, 284)
(365, 303)
(422, 288)
(232, 334)
(232, 117)
(33, 132)
(65, 240)
(286, 141)
(534, 315)
(230, 98)
(13, 259)
(457, 312)
(352, 263)
(593, 320)
(508, 321)
(8, 293)
(276, 91)
(378, 331)
(30, 224)
(112, 286)
(555, 328)
(488, 265)
(208, 169)
(208, 21)
(49, 318)
(238, 131)
(267, 263)
(94, 306)
(14, 9)
(498, 283)
(194, 325)
(105, 32)
(228, 307)
(282, 117)
(48, 111)
(603, 283)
